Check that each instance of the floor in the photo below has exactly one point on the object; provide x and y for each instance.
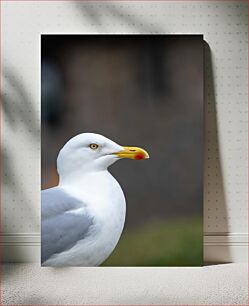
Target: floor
(27, 284)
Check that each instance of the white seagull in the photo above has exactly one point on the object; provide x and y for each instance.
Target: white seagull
(83, 217)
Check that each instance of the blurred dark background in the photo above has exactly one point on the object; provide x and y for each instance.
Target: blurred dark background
(139, 90)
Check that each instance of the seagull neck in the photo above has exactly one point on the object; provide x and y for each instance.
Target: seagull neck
(87, 179)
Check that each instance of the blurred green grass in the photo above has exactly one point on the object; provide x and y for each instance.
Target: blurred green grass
(175, 242)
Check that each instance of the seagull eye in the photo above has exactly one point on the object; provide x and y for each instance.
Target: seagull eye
(93, 146)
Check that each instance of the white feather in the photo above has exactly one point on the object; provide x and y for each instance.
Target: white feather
(89, 181)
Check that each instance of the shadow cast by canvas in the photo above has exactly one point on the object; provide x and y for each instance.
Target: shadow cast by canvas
(215, 207)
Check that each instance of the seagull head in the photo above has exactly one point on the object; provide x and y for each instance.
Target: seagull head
(93, 152)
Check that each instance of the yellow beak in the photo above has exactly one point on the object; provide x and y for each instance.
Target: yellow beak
(133, 153)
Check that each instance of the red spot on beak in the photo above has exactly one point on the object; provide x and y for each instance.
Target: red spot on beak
(138, 156)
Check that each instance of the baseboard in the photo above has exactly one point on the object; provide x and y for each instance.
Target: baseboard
(20, 247)
(218, 247)
(225, 247)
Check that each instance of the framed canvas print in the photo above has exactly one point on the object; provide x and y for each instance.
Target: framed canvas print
(122, 150)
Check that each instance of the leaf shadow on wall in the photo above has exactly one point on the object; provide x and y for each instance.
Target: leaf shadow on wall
(96, 14)
(19, 117)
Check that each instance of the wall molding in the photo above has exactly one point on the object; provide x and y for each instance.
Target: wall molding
(20, 239)
(226, 239)
(218, 247)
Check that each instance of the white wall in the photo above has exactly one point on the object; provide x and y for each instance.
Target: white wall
(224, 25)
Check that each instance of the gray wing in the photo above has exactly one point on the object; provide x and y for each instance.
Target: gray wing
(64, 221)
